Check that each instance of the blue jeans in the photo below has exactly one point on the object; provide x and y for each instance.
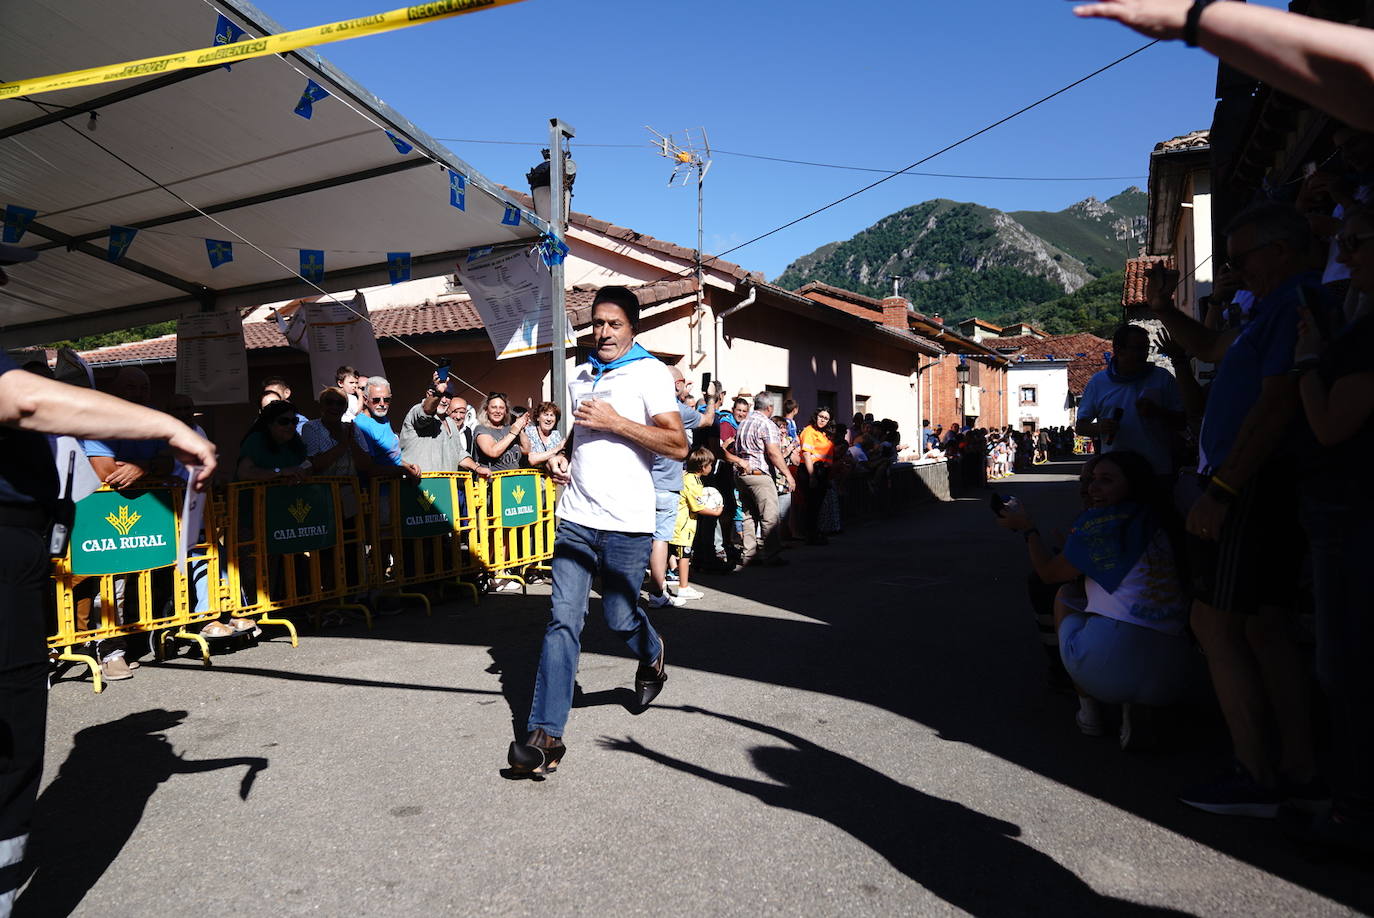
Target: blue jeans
(1341, 546)
(579, 554)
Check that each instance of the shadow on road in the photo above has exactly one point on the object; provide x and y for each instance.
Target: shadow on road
(89, 811)
(933, 841)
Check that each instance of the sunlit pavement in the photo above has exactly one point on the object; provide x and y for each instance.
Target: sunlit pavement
(865, 732)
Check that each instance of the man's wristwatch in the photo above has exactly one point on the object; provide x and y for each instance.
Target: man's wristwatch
(1190, 24)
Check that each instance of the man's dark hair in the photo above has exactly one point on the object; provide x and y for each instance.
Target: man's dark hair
(344, 372)
(620, 296)
(789, 406)
(1126, 331)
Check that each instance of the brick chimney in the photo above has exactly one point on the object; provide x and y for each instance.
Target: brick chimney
(937, 319)
(895, 312)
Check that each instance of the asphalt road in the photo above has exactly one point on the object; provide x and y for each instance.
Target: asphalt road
(865, 732)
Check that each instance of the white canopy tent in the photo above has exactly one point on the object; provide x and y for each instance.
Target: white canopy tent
(226, 142)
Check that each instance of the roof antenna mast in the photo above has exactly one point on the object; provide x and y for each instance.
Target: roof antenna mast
(691, 154)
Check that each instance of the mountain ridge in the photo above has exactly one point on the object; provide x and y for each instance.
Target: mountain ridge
(961, 258)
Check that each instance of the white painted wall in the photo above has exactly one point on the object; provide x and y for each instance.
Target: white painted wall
(1051, 380)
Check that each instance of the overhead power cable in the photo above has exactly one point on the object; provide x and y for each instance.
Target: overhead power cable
(925, 159)
(807, 162)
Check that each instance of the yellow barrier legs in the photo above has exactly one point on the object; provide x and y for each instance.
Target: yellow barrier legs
(187, 636)
(289, 626)
(90, 662)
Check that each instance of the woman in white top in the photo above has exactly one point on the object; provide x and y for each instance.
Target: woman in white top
(1127, 643)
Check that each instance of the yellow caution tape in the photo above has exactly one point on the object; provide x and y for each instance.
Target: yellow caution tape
(251, 47)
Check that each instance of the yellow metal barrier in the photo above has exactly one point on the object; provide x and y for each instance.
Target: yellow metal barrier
(513, 516)
(269, 546)
(421, 533)
(119, 575)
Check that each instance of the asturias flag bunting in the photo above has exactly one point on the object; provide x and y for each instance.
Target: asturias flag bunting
(17, 221)
(121, 237)
(401, 146)
(226, 33)
(219, 251)
(398, 266)
(457, 191)
(312, 265)
(314, 92)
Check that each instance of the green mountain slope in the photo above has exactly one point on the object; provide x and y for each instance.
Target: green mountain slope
(1094, 307)
(963, 259)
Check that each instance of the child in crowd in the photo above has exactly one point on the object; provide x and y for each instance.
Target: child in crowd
(689, 507)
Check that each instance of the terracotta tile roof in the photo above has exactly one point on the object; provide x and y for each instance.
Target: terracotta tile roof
(1191, 140)
(1086, 354)
(1014, 342)
(445, 317)
(1137, 272)
(840, 293)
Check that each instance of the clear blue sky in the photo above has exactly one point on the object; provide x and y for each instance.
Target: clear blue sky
(865, 83)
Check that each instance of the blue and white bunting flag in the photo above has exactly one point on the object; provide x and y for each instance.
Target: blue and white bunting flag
(398, 266)
(121, 237)
(312, 265)
(226, 33)
(511, 216)
(401, 146)
(552, 249)
(314, 92)
(457, 191)
(219, 251)
(474, 254)
(17, 220)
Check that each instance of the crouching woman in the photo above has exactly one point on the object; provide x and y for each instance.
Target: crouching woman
(1123, 638)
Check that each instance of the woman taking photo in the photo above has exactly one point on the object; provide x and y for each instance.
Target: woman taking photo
(497, 439)
(1123, 641)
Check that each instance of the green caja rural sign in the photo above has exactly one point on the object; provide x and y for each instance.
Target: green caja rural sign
(299, 518)
(427, 508)
(122, 532)
(518, 500)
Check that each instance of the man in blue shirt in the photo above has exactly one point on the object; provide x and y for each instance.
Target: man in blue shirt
(1247, 547)
(375, 436)
(1133, 404)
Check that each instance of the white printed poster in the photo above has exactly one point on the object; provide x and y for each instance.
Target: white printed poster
(512, 292)
(334, 334)
(212, 362)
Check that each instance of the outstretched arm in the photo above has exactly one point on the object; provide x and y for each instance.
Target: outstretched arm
(32, 402)
(1326, 64)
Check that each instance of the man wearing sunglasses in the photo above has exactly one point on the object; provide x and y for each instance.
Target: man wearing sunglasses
(373, 430)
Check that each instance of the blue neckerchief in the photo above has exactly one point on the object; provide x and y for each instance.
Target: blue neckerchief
(1106, 542)
(636, 352)
(1117, 376)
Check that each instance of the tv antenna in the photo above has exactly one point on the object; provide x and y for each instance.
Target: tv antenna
(689, 154)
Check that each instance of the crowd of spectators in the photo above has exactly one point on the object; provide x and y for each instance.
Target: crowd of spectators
(1222, 517)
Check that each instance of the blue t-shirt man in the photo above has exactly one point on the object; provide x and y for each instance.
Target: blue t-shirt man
(667, 473)
(1263, 348)
(378, 439)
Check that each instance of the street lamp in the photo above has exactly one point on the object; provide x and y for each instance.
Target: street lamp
(961, 371)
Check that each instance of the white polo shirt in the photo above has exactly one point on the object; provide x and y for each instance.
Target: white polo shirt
(612, 487)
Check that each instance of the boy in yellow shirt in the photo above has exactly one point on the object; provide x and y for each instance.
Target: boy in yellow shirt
(690, 505)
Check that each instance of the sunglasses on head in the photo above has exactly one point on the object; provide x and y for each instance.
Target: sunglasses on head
(495, 395)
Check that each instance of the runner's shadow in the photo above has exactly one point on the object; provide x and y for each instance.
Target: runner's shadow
(971, 860)
(90, 810)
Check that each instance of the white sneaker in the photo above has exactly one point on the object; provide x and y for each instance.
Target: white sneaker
(687, 592)
(665, 599)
